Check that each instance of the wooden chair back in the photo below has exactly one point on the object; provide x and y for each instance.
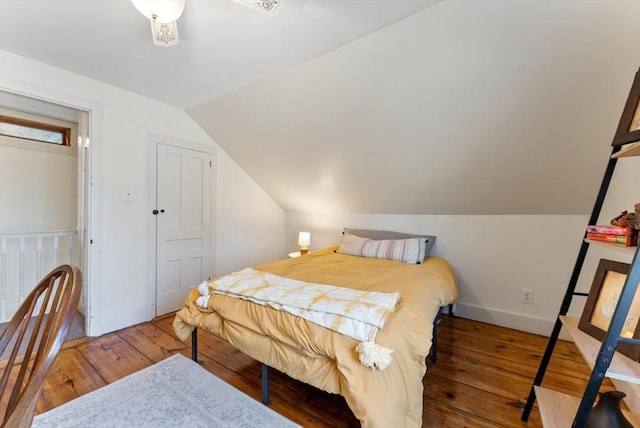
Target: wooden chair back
(35, 335)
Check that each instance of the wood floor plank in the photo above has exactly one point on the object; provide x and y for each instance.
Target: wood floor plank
(500, 409)
(482, 377)
(112, 357)
(153, 342)
(473, 335)
(480, 370)
(70, 377)
(437, 414)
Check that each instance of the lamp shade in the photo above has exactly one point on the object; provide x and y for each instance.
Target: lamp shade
(304, 239)
(162, 11)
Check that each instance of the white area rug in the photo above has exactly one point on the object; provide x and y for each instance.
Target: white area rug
(176, 392)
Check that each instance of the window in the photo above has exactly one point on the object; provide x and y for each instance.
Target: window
(34, 131)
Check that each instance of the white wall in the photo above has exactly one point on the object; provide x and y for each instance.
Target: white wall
(496, 256)
(121, 124)
(38, 182)
(475, 107)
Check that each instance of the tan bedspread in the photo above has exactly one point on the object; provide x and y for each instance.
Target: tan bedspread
(327, 360)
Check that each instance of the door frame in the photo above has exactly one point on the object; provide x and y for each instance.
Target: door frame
(89, 191)
(152, 145)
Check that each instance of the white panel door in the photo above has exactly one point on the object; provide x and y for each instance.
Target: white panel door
(182, 222)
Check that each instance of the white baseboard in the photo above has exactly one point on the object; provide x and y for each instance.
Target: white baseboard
(508, 319)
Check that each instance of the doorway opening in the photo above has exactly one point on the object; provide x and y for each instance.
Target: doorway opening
(45, 192)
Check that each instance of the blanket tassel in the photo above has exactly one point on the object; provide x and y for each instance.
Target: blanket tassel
(373, 355)
(203, 289)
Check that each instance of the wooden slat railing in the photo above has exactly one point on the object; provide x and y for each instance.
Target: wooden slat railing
(26, 257)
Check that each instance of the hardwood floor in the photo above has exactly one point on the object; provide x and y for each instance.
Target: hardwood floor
(481, 379)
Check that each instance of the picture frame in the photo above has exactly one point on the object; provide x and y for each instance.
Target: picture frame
(601, 302)
(629, 126)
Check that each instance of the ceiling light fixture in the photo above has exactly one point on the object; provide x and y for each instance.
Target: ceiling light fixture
(269, 6)
(163, 15)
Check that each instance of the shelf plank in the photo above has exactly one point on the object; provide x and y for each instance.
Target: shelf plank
(611, 245)
(628, 150)
(559, 410)
(622, 367)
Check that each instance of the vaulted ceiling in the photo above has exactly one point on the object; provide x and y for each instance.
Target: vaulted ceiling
(223, 44)
(385, 106)
(468, 107)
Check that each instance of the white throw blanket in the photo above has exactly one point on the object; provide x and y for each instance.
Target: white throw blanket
(354, 313)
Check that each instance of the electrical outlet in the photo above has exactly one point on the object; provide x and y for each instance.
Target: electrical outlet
(526, 296)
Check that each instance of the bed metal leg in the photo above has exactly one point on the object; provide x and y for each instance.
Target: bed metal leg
(434, 345)
(194, 344)
(434, 339)
(265, 368)
(265, 384)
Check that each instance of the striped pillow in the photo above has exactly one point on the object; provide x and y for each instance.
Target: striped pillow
(405, 250)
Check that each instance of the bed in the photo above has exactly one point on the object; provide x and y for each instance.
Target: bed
(392, 396)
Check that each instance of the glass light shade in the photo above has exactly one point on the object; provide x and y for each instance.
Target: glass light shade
(162, 11)
(304, 239)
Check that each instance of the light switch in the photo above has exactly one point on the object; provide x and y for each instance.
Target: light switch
(127, 193)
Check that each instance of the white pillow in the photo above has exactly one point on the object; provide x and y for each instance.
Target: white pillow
(429, 240)
(410, 250)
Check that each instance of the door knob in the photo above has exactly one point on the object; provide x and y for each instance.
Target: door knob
(154, 212)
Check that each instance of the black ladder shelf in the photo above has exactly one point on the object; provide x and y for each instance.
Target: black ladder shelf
(613, 335)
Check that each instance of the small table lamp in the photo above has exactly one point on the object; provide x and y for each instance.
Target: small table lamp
(304, 240)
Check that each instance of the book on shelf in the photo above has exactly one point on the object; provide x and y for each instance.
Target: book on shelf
(617, 239)
(607, 230)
